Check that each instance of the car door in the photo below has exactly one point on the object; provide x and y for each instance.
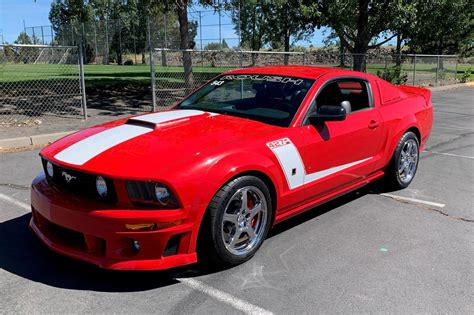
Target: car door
(338, 153)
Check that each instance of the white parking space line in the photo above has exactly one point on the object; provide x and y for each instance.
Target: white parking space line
(450, 154)
(223, 297)
(407, 199)
(18, 203)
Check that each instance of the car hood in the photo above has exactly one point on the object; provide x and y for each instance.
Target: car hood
(143, 146)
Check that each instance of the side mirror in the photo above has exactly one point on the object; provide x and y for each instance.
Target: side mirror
(328, 113)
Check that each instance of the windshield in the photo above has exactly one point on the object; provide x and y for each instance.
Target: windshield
(267, 98)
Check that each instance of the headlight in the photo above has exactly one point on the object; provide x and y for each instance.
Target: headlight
(151, 194)
(49, 169)
(101, 186)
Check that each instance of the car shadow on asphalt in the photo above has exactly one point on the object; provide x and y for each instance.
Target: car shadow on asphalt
(22, 254)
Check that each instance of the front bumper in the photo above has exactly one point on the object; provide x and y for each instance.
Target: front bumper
(93, 232)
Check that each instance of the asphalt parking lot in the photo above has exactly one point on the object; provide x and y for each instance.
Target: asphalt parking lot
(362, 253)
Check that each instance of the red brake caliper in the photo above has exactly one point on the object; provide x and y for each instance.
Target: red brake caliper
(250, 205)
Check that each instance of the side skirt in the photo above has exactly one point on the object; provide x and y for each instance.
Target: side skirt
(328, 197)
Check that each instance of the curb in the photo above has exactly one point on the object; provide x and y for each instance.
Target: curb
(26, 142)
(450, 87)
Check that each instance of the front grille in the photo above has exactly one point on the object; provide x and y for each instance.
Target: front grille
(79, 183)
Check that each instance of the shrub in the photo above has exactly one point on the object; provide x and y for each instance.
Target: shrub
(128, 62)
(393, 75)
(466, 75)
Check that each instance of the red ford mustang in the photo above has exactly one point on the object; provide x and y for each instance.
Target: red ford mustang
(247, 150)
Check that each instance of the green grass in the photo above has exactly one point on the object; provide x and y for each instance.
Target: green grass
(100, 75)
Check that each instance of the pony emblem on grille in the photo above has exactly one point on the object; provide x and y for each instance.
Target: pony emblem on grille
(68, 177)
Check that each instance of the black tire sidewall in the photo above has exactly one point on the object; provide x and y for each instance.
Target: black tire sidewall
(217, 209)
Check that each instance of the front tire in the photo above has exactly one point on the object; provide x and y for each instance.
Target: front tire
(239, 217)
(404, 162)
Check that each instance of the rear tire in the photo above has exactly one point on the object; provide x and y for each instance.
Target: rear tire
(404, 162)
(237, 221)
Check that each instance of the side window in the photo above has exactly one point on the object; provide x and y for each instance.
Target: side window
(354, 94)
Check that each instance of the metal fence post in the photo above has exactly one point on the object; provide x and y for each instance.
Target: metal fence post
(456, 69)
(414, 68)
(82, 82)
(152, 67)
(437, 70)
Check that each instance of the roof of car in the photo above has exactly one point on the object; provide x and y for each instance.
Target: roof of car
(310, 72)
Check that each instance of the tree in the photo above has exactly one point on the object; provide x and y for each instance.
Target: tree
(442, 27)
(361, 24)
(26, 54)
(217, 46)
(288, 19)
(181, 9)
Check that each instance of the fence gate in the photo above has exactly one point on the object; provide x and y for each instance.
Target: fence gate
(40, 82)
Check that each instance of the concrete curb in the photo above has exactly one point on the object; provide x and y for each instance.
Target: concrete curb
(37, 140)
(450, 87)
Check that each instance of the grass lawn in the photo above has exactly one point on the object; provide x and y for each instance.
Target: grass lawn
(100, 75)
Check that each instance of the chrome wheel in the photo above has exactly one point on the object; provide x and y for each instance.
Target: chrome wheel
(408, 161)
(244, 220)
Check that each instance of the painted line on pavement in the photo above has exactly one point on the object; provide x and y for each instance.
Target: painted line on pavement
(413, 200)
(223, 297)
(18, 203)
(450, 154)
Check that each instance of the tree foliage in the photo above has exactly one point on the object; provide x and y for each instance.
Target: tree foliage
(442, 27)
(361, 24)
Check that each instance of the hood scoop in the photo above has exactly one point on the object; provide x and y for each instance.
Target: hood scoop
(139, 123)
(165, 119)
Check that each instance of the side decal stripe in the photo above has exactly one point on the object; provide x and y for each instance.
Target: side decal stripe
(293, 167)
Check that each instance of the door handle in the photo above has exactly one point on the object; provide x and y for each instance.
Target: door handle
(373, 124)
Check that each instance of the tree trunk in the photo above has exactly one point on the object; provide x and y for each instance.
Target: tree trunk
(287, 47)
(398, 51)
(342, 55)
(184, 43)
(359, 61)
(440, 52)
(363, 38)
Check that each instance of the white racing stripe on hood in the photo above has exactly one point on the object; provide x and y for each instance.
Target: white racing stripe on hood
(88, 148)
(84, 150)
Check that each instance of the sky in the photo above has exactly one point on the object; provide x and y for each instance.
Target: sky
(13, 13)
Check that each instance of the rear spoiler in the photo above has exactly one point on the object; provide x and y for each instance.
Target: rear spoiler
(426, 93)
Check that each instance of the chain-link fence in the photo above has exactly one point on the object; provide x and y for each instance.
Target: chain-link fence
(38, 81)
(173, 80)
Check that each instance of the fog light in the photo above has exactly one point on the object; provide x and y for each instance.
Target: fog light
(135, 245)
(101, 186)
(141, 227)
(162, 194)
(49, 169)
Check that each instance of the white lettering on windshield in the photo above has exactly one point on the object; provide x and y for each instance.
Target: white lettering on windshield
(260, 77)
